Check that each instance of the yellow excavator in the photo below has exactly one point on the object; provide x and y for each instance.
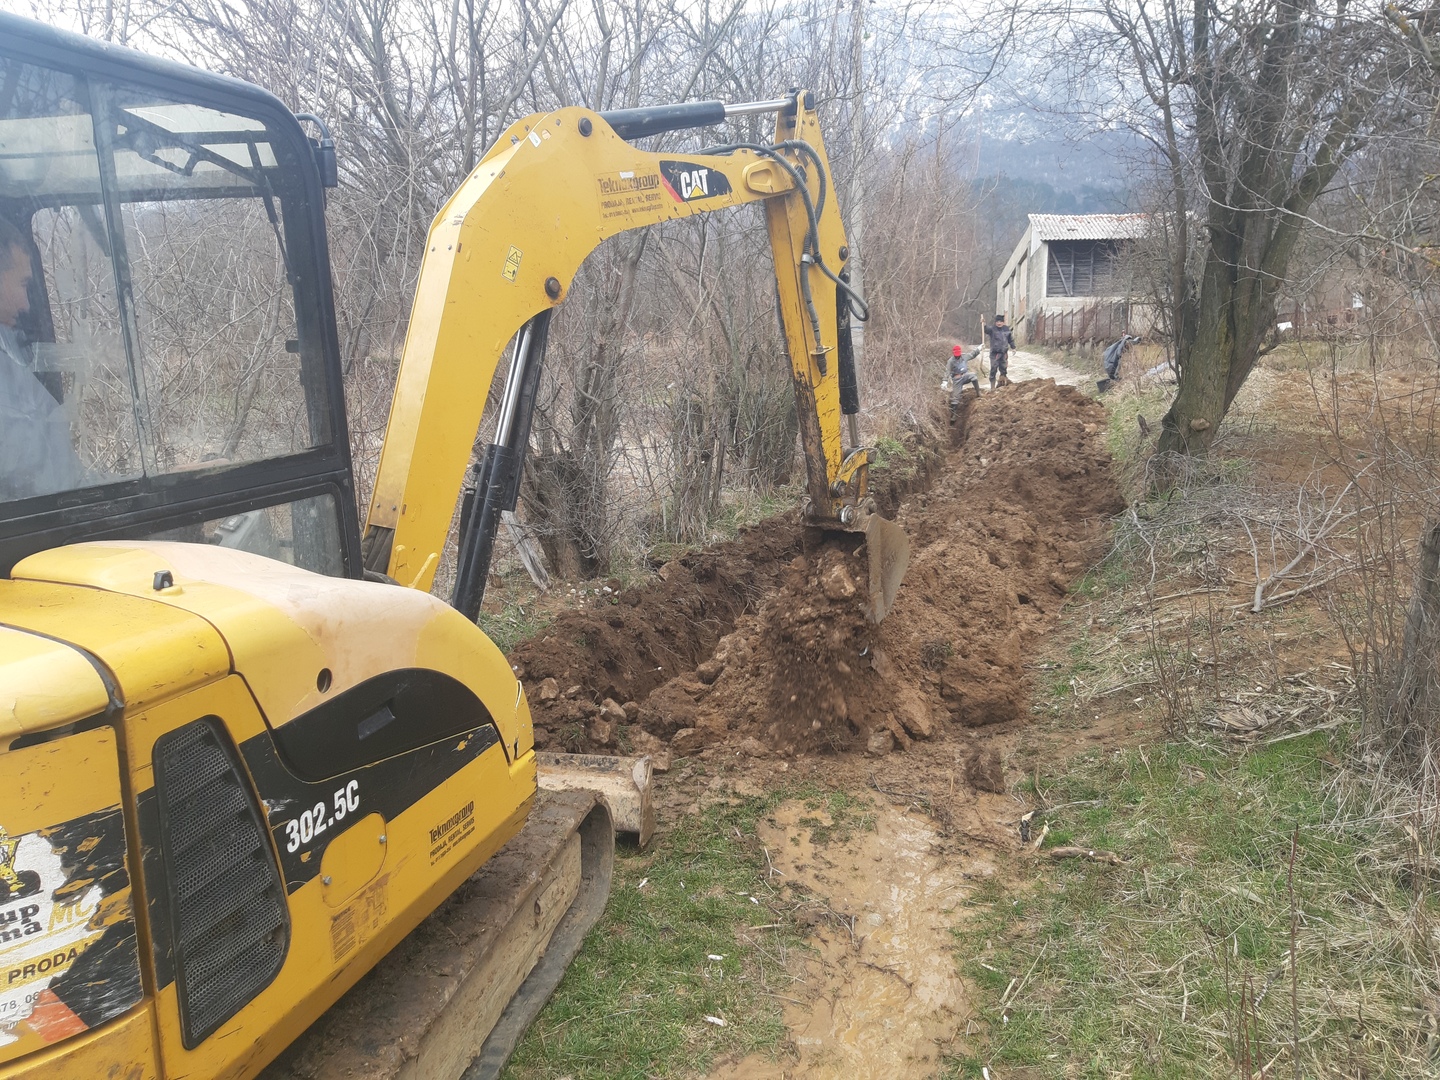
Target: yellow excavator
(244, 752)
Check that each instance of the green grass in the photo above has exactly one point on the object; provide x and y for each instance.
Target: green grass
(746, 507)
(898, 460)
(1110, 574)
(847, 813)
(1091, 970)
(512, 624)
(633, 1004)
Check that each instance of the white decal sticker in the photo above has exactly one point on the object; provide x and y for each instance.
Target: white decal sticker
(303, 830)
(39, 939)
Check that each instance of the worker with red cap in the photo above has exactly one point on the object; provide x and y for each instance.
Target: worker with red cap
(960, 375)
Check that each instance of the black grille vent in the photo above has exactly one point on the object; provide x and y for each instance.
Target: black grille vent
(227, 903)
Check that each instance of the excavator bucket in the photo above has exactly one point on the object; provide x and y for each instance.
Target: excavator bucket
(889, 550)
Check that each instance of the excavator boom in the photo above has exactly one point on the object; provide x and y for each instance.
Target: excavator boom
(502, 255)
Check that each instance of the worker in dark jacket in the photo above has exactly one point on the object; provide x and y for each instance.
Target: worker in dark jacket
(1001, 342)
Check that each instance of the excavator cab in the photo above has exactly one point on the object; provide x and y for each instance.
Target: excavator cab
(232, 776)
(168, 363)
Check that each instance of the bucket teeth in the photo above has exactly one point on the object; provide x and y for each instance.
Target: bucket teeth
(889, 550)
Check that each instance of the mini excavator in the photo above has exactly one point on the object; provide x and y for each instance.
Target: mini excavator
(244, 752)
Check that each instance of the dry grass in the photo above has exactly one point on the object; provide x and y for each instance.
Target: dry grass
(1208, 952)
(1178, 963)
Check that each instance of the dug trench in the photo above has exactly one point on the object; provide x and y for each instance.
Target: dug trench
(750, 667)
(762, 642)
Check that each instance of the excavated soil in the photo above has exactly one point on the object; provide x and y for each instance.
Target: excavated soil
(633, 640)
(764, 638)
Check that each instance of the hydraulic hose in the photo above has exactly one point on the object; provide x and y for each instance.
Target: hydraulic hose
(856, 302)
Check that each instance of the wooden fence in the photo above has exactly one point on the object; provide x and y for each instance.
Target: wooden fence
(1102, 322)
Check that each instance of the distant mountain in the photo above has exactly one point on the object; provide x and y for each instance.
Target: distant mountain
(1026, 144)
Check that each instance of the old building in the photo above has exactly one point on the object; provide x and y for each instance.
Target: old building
(1068, 278)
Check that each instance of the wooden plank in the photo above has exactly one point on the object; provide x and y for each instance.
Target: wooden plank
(526, 548)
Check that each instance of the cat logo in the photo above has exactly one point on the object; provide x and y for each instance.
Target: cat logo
(689, 181)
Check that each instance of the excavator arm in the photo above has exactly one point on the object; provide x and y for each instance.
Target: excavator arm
(501, 256)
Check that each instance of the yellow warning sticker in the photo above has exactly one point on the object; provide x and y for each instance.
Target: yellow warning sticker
(512, 265)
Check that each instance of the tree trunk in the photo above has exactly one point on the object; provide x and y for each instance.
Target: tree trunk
(1235, 313)
(1416, 677)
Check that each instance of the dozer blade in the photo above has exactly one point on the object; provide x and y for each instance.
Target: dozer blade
(625, 782)
(889, 550)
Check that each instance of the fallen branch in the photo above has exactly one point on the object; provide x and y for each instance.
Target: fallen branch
(1280, 598)
(1308, 731)
(1086, 853)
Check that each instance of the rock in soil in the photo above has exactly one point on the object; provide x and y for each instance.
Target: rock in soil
(984, 771)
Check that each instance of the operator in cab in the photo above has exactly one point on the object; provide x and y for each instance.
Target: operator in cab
(36, 454)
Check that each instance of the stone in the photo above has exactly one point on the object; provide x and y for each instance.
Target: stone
(631, 710)
(985, 772)
(753, 747)
(601, 731)
(837, 584)
(914, 713)
(571, 691)
(548, 690)
(610, 710)
(687, 741)
(902, 740)
(710, 670)
(644, 744)
(1199, 424)
(880, 743)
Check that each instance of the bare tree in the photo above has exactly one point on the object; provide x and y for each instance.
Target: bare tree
(1252, 111)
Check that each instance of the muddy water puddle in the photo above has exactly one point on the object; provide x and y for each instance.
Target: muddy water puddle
(880, 997)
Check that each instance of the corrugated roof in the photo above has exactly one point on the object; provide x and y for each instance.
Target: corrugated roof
(1088, 226)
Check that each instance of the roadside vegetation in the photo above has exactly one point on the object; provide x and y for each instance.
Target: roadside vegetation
(1239, 879)
(690, 963)
(1177, 961)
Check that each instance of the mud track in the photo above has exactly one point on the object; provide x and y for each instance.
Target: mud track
(760, 643)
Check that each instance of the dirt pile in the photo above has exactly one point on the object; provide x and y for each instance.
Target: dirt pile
(638, 638)
(1010, 521)
(634, 640)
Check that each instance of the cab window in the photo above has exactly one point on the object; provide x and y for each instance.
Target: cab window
(158, 309)
(156, 316)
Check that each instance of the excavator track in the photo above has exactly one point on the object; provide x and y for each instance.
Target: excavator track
(485, 961)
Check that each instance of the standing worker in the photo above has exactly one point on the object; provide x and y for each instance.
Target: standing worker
(1001, 342)
(960, 375)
